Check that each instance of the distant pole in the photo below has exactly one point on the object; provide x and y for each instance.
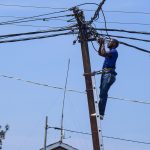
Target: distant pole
(83, 37)
(45, 136)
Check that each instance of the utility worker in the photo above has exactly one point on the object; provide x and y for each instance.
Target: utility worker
(108, 71)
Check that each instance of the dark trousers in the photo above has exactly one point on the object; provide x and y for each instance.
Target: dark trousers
(107, 80)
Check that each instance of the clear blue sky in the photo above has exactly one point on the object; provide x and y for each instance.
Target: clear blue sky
(24, 106)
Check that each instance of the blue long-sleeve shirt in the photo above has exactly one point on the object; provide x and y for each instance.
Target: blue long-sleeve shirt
(110, 61)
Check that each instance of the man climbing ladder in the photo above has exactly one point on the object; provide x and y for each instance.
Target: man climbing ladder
(108, 71)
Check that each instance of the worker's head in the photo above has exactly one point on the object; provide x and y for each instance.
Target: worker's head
(113, 43)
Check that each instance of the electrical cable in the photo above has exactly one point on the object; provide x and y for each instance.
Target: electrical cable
(27, 6)
(87, 4)
(135, 47)
(127, 140)
(29, 25)
(65, 28)
(41, 84)
(21, 19)
(10, 16)
(109, 137)
(128, 23)
(34, 19)
(122, 30)
(69, 90)
(36, 37)
(128, 12)
(125, 37)
(94, 47)
(97, 12)
(96, 35)
(47, 7)
(105, 23)
(129, 100)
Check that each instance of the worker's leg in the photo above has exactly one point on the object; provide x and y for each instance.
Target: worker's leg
(106, 81)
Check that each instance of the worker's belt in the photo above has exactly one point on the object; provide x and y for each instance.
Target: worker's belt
(108, 69)
(103, 71)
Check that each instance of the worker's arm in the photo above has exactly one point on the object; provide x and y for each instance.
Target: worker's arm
(102, 51)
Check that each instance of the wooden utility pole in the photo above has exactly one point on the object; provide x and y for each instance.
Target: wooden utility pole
(83, 37)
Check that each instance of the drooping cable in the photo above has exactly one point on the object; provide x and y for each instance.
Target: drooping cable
(94, 47)
(97, 12)
(86, 4)
(105, 23)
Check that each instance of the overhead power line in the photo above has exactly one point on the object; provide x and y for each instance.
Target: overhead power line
(42, 19)
(34, 19)
(86, 4)
(62, 8)
(135, 47)
(129, 100)
(109, 137)
(41, 84)
(41, 7)
(128, 23)
(28, 6)
(122, 12)
(128, 12)
(125, 37)
(29, 25)
(10, 16)
(97, 35)
(122, 30)
(65, 28)
(36, 37)
(31, 17)
(69, 90)
(127, 140)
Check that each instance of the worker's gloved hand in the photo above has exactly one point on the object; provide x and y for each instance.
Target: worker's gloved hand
(101, 41)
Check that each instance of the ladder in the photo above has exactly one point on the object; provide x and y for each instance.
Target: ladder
(96, 98)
